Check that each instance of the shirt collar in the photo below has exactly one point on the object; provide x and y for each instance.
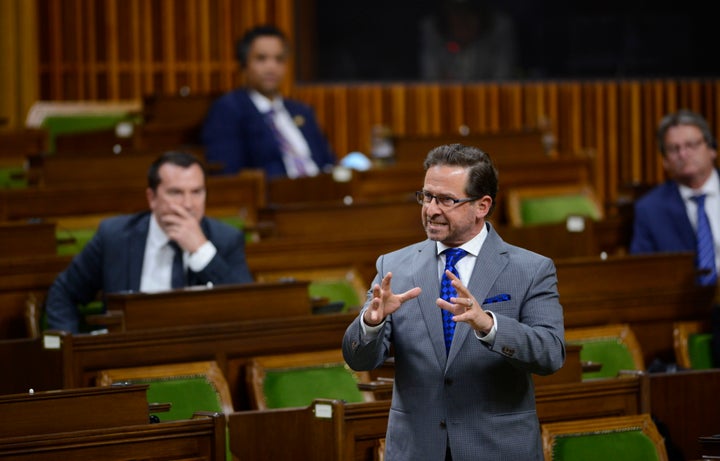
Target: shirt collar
(264, 104)
(710, 188)
(156, 236)
(472, 246)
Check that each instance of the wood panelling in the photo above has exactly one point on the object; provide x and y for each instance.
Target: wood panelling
(126, 50)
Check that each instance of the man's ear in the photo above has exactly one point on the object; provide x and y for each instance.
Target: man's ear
(484, 204)
(150, 195)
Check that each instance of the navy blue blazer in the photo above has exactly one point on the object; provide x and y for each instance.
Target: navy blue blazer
(112, 262)
(236, 136)
(661, 223)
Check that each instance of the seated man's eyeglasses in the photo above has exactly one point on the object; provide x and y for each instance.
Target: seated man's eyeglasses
(425, 198)
(690, 146)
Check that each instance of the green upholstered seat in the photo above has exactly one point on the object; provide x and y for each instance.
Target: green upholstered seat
(295, 380)
(616, 438)
(235, 221)
(629, 445)
(335, 291)
(552, 209)
(186, 393)
(300, 386)
(77, 123)
(189, 387)
(700, 351)
(13, 177)
(611, 353)
(613, 346)
(72, 241)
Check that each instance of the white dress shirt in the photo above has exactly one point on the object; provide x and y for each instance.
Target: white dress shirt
(289, 129)
(158, 259)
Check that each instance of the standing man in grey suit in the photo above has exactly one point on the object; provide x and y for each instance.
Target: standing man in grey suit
(136, 252)
(469, 396)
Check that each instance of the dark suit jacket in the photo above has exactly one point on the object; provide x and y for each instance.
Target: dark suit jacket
(661, 223)
(112, 262)
(479, 398)
(236, 136)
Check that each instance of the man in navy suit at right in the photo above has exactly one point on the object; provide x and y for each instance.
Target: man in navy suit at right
(255, 127)
(666, 217)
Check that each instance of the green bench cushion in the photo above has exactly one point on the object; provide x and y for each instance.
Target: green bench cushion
(335, 291)
(700, 351)
(298, 387)
(71, 242)
(612, 354)
(78, 123)
(544, 210)
(629, 445)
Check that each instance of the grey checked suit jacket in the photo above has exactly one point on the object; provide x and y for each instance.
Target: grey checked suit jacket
(480, 399)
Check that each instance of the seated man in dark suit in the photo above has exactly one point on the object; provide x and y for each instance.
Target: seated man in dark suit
(671, 216)
(254, 127)
(138, 252)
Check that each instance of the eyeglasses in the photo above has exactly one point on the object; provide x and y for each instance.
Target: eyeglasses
(691, 146)
(425, 198)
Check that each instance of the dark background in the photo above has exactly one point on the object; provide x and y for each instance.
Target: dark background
(378, 39)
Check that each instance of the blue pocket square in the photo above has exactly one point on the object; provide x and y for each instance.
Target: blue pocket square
(497, 299)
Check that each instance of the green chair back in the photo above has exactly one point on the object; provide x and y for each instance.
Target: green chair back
(625, 445)
(13, 177)
(297, 387)
(77, 123)
(553, 209)
(610, 352)
(700, 351)
(71, 242)
(187, 395)
(335, 291)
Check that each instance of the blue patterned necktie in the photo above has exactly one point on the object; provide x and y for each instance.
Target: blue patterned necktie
(178, 278)
(705, 257)
(447, 291)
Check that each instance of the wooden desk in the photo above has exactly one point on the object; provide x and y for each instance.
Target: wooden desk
(330, 430)
(503, 147)
(109, 423)
(244, 192)
(649, 292)
(21, 277)
(73, 409)
(79, 357)
(98, 170)
(204, 306)
(687, 403)
(399, 182)
(27, 239)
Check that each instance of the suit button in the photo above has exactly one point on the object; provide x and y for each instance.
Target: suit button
(442, 423)
(448, 382)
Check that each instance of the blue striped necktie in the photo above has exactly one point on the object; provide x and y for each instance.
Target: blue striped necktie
(447, 291)
(705, 257)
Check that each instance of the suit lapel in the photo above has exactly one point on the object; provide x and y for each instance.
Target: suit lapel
(136, 251)
(427, 276)
(490, 263)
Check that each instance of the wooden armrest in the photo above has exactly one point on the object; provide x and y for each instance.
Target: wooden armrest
(588, 366)
(113, 320)
(159, 407)
(380, 384)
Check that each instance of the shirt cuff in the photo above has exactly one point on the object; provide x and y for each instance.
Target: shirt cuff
(490, 337)
(201, 258)
(370, 331)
